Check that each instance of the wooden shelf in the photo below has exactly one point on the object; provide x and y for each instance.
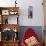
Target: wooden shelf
(9, 43)
(11, 15)
(5, 8)
(11, 26)
(4, 13)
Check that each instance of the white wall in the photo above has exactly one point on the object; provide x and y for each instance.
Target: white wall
(37, 19)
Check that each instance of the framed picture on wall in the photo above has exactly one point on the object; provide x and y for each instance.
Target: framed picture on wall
(30, 12)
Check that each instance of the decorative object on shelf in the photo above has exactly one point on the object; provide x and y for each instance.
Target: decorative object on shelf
(15, 3)
(15, 34)
(5, 12)
(7, 34)
(15, 37)
(6, 21)
(13, 12)
(30, 12)
(15, 30)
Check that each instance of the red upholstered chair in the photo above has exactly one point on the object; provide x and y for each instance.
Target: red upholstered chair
(29, 33)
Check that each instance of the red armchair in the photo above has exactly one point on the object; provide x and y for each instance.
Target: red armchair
(28, 34)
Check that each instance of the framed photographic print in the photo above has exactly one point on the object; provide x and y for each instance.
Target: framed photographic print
(30, 12)
(5, 12)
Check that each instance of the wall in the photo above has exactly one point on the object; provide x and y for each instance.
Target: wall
(37, 19)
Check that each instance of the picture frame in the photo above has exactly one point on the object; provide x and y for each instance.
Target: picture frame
(5, 12)
(30, 12)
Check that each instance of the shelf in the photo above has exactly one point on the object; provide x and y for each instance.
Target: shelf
(5, 12)
(8, 10)
(11, 15)
(10, 19)
(10, 26)
(11, 41)
(7, 16)
(5, 8)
